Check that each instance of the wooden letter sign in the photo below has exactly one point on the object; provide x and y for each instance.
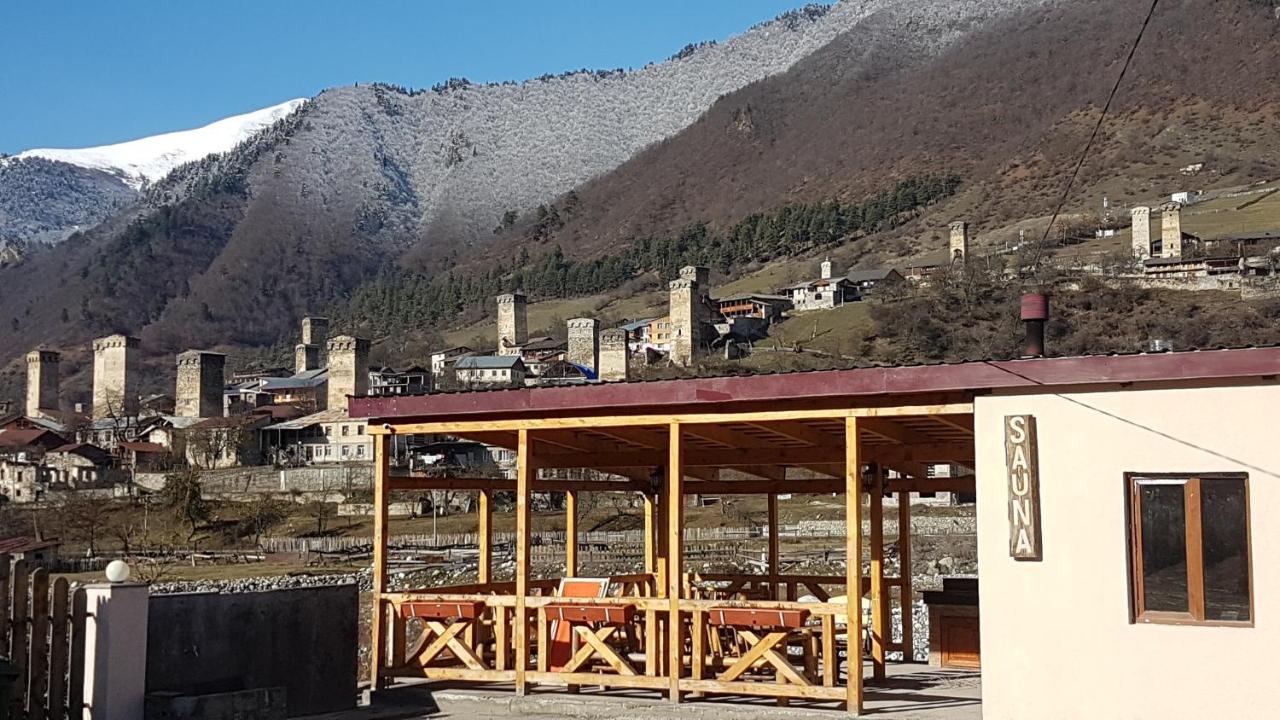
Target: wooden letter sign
(1022, 462)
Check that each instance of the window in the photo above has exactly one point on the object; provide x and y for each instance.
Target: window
(1189, 553)
(345, 430)
(359, 429)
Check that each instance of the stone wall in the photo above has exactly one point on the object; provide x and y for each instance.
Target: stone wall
(304, 640)
(584, 348)
(244, 483)
(513, 324)
(42, 381)
(615, 357)
(348, 359)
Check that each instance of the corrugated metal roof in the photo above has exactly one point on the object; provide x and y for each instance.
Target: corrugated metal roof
(872, 379)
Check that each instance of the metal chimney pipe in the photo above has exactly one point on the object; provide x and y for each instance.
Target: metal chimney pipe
(1035, 311)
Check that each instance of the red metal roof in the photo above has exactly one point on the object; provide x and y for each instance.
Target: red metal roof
(25, 544)
(831, 385)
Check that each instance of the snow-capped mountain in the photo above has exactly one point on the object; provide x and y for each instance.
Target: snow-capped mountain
(143, 161)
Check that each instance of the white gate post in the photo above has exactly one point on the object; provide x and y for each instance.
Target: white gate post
(115, 651)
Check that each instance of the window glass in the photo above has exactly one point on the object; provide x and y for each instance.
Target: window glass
(1224, 528)
(1164, 547)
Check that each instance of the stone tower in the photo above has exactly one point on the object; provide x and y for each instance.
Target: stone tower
(1171, 230)
(584, 347)
(315, 330)
(115, 376)
(42, 381)
(306, 357)
(615, 358)
(348, 369)
(513, 325)
(200, 384)
(826, 269)
(688, 313)
(959, 242)
(1141, 232)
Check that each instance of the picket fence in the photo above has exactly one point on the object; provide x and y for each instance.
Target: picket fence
(42, 628)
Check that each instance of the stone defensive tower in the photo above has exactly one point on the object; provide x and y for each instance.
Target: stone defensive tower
(306, 357)
(200, 384)
(1141, 232)
(315, 330)
(1171, 230)
(584, 347)
(348, 369)
(688, 313)
(959, 242)
(115, 376)
(615, 358)
(42, 381)
(513, 324)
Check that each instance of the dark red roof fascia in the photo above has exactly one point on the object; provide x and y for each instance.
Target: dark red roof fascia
(828, 385)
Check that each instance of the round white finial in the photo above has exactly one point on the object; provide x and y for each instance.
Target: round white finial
(117, 571)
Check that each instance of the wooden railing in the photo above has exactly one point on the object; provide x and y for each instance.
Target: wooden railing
(777, 648)
(42, 635)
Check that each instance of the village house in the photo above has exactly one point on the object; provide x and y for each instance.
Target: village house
(823, 293)
(871, 282)
(20, 479)
(328, 436)
(79, 466)
(753, 305)
(388, 381)
(506, 370)
(649, 334)
(35, 552)
(442, 359)
(223, 442)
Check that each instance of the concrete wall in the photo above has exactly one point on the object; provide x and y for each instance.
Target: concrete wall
(303, 639)
(243, 483)
(1057, 641)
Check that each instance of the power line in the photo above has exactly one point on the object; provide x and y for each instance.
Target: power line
(1098, 128)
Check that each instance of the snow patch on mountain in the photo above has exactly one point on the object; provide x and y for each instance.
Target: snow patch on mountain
(143, 161)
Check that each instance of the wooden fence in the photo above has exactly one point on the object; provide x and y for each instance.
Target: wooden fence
(42, 635)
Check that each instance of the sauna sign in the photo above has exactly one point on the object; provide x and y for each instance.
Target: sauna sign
(1022, 464)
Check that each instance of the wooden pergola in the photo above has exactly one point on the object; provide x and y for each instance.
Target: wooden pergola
(666, 629)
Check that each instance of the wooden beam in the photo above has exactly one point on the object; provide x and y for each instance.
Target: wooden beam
(525, 472)
(570, 536)
(853, 563)
(906, 592)
(879, 614)
(635, 436)
(381, 516)
(959, 483)
(508, 485)
(802, 433)
(963, 423)
(505, 439)
(694, 458)
(721, 436)
(484, 507)
(773, 555)
(890, 430)
(674, 501)
(596, 423)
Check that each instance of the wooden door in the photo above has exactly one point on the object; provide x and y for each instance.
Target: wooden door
(960, 646)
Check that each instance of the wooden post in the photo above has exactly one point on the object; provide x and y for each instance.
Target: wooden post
(571, 533)
(853, 563)
(773, 546)
(879, 602)
(524, 484)
(675, 554)
(485, 531)
(905, 592)
(650, 528)
(381, 503)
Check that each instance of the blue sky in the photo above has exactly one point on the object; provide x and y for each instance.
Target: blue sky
(77, 73)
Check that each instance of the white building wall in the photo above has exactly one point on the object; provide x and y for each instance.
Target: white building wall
(1057, 642)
